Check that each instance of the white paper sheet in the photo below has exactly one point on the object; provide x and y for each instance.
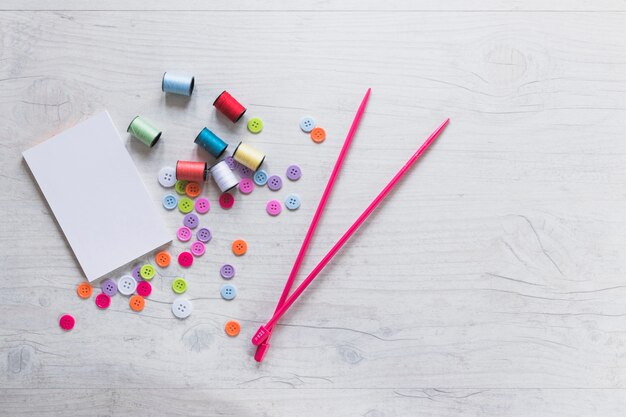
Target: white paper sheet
(97, 196)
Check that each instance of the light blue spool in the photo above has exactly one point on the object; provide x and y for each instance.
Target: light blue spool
(177, 83)
(209, 141)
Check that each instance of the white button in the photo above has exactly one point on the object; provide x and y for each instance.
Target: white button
(126, 285)
(167, 177)
(181, 307)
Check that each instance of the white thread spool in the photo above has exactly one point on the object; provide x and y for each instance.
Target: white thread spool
(223, 176)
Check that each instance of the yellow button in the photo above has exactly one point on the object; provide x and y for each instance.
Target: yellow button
(255, 125)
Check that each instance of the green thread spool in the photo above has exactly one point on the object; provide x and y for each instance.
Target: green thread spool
(144, 131)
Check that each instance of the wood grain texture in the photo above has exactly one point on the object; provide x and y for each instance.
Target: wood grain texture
(491, 283)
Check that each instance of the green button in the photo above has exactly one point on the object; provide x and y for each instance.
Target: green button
(255, 125)
(147, 272)
(180, 186)
(185, 205)
(179, 285)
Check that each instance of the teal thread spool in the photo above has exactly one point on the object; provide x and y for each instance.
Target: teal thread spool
(211, 143)
(177, 83)
(144, 131)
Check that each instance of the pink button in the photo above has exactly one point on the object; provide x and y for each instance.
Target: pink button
(185, 259)
(202, 205)
(197, 248)
(226, 200)
(67, 322)
(103, 301)
(144, 289)
(273, 207)
(246, 185)
(184, 234)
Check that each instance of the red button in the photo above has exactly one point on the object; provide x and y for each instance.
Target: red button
(103, 301)
(226, 201)
(144, 288)
(185, 259)
(67, 322)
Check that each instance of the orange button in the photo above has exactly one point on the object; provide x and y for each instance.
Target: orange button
(163, 259)
(232, 328)
(318, 135)
(137, 302)
(193, 189)
(240, 247)
(84, 290)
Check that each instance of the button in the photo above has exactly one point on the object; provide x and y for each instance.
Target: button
(240, 247)
(232, 328)
(181, 307)
(294, 172)
(292, 202)
(198, 248)
(193, 189)
(255, 125)
(260, 178)
(184, 234)
(318, 135)
(163, 258)
(67, 322)
(144, 289)
(167, 177)
(202, 205)
(185, 259)
(246, 186)
(245, 172)
(126, 285)
(232, 164)
(185, 205)
(307, 124)
(180, 186)
(136, 273)
(274, 183)
(170, 201)
(84, 290)
(273, 207)
(226, 200)
(191, 221)
(103, 301)
(147, 272)
(227, 271)
(109, 287)
(228, 291)
(137, 302)
(179, 285)
(204, 235)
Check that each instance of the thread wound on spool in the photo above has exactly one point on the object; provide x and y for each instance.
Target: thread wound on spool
(177, 83)
(143, 131)
(223, 176)
(191, 171)
(229, 106)
(210, 142)
(248, 156)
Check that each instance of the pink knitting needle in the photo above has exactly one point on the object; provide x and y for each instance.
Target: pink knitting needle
(263, 332)
(262, 349)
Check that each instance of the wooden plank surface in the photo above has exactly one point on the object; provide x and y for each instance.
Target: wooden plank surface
(491, 282)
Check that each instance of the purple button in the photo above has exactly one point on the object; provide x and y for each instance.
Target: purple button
(227, 271)
(274, 183)
(244, 171)
(184, 234)
(204, 235)
(294, 172)
(109, 287)
(202, 205)
(191, 221)
(273, 207)
(230, 161)
(246, 185)
(197, 248)
(136, 273)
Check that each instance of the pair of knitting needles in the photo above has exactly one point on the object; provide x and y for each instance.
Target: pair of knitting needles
(264, 333)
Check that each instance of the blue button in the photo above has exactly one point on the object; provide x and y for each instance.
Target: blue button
(260, 178)
(292, 202)
(307, 124)
(228, 291)
(170, 201)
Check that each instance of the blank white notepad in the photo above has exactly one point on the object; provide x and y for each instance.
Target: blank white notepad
(94, 190)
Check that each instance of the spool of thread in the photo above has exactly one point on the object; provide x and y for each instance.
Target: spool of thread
(209, 141)
(223, 176)
(144, 131)
(229, 107)
(191, 171)
(248, 156)
(177, 83)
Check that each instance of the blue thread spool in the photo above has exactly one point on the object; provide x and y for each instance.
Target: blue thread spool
(211, 143)
(177, 83)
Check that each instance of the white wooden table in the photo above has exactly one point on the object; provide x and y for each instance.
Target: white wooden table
(491, 283)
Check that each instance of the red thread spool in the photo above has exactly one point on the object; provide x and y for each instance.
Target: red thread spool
(229, 107)
(191, 171)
